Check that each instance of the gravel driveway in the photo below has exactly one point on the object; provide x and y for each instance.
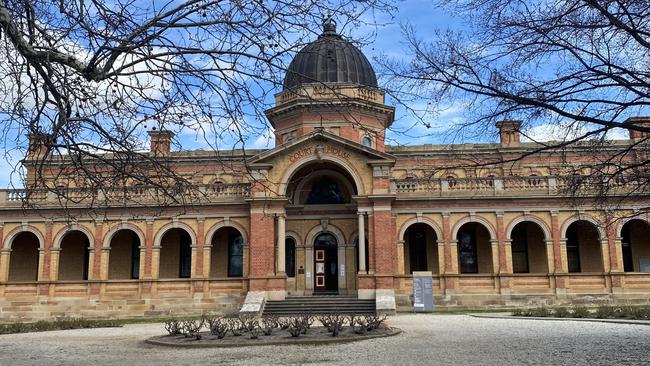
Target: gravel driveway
(426, 340)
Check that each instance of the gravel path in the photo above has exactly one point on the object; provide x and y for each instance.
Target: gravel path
(427, 340)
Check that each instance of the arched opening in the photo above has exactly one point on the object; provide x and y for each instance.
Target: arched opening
(74, 255)
(321, 183)
(635, 242)
(290, 257)
(325, 263)
(124, 257)
(420, 249)
(175, 254)
(583, 247)
(23, 259)
(528, 248)
(474, 249)
(227, 253)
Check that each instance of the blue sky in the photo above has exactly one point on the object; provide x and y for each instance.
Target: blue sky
(388, 41)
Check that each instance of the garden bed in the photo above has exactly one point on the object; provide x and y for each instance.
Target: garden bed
(60, 324)
(601, 312)
(316, 335)
(240, 331)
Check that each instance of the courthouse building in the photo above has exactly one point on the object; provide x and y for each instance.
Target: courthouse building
(331, 209)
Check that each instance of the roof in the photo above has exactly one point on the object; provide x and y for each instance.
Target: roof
(330, 59)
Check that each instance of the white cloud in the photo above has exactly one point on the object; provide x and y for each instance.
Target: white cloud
(566, 131)
(264, 141)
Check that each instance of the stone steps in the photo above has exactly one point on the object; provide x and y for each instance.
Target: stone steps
(319, 305)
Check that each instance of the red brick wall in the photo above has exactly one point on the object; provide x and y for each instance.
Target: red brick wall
(262, 245)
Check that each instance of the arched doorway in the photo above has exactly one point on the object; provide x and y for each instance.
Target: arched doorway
(326, 192)
(635, 239)
(325, 264)
(583, 248)
(124, 258)
(528, 248)
(227, 253)
(175, 254)
(420, 249)
(23, 260)
(474, 250)
(74, 257)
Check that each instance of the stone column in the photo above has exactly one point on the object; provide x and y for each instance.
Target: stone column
(104, 263)
(550, 255)
(54, 264)
(281, 245)
(564, 262)
(92, 254)
(494, 245)
(155, 260)
(5, 254)
(441, 256)
(400, 258)
(342, 268)
(604, 255)
(362, 243)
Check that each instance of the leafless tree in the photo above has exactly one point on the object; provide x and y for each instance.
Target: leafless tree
(89, 78)
(580, 67)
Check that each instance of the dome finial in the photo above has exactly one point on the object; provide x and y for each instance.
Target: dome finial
(329, 25)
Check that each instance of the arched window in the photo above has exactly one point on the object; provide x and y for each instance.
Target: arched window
(235, 255)
(366, 141)
(325, 191)
(290, 257)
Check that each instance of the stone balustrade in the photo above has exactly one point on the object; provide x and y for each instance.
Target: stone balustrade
(497, 186)
(138, 194)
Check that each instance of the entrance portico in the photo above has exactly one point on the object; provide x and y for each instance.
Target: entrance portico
(324, 199)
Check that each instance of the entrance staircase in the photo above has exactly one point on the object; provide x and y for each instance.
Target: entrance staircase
(319, 305)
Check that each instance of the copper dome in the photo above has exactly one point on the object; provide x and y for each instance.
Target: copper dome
(330, 59)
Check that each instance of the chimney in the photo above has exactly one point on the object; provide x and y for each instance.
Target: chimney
(38, 146)
(509, 133)
(161, 141)
(638, 122)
